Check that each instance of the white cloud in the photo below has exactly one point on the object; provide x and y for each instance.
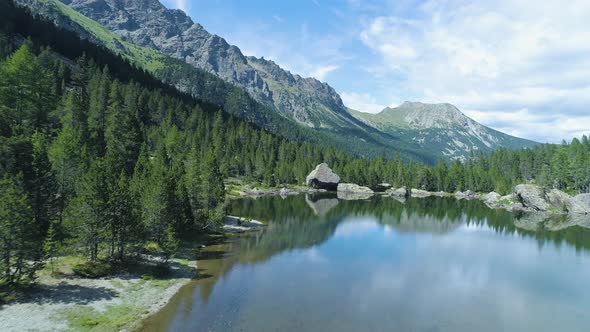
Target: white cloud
(494, 58)
(321, 71)
(178, 4)
(362, 102)
(308, 54)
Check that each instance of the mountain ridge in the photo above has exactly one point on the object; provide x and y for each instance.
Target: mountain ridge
(148, 23)
(441, 125)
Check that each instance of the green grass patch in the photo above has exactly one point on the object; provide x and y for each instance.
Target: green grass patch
(61, 266)
(114, 318)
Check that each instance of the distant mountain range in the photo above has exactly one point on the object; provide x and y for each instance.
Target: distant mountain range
(157, 39)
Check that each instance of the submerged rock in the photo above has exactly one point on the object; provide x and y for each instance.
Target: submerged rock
(354, 188)
(239, 225)
(322, 177)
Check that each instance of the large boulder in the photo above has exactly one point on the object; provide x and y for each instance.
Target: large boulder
(511, 203)
(420, 193)
(322, 177)
(566, 203)
(399, 192)
(351, 191)
(492, 199)
(531, 196)
(536, 198)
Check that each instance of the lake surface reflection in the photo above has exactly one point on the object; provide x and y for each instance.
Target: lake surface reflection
(435, 264)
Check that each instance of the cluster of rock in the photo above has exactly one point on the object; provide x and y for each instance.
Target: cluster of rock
(323, 178)
(533, 198)
(538, 199)
(526, 197)
(403, 192)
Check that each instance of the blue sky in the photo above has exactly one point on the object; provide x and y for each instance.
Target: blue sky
(519, 66)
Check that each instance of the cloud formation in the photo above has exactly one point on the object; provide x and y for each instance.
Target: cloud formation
(177, 4)
(520, 66)
(361, 101)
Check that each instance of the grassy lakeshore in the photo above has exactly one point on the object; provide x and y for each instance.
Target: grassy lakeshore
(61, 301)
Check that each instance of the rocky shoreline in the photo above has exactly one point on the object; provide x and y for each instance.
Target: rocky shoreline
(524, 198)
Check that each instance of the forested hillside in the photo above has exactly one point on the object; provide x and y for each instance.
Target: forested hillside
(341, 131)
(103, 159)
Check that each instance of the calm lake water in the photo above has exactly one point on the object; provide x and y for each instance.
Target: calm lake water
(435, 264)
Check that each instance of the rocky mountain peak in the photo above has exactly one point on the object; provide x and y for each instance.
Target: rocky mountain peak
(442, 127)
(148, 23)
(420, 115)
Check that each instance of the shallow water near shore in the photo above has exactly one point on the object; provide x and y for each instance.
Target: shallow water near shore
(434, 264)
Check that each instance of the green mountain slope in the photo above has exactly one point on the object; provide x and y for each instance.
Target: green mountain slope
(332, 126)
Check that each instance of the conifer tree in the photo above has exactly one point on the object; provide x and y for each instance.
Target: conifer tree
(20, 253)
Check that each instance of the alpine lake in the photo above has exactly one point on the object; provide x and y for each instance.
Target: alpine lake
(432, 264)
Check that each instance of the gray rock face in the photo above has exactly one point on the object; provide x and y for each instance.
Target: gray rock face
(538, 199)
(148, 23)
(322, 177)
(531, 196)
(560, 200)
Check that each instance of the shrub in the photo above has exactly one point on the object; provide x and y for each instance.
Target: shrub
(152, 248)
(92, 270)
